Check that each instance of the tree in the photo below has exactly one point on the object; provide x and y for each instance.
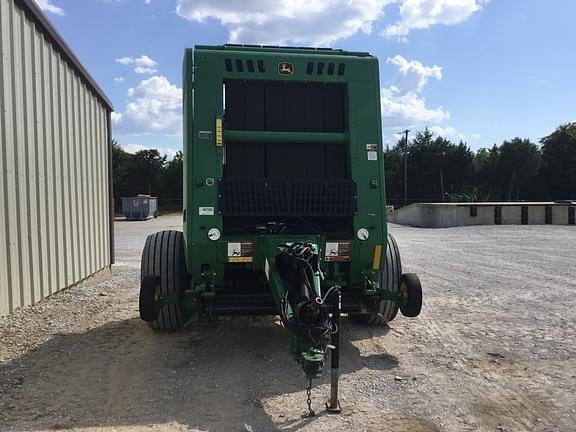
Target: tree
(485, 174)
(558, 173)
(147, 170)
(394, 173)
(519, 162)
(172, 178)
(456, 163)
(435, 166)
(121, 161)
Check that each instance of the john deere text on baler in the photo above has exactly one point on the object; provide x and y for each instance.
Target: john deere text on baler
(284, 202)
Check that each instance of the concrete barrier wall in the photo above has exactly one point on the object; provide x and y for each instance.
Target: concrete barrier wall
(443, 215)
(537, 215)
(485, 216)
(511, 215)
(560, 215)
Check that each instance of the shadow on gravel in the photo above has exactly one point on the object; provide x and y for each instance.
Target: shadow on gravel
(213, 375)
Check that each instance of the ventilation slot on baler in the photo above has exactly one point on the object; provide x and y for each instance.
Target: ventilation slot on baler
(249, 66)
(322, 68)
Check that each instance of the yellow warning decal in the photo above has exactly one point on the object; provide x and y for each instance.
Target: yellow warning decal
(240, 259)
(377, 257)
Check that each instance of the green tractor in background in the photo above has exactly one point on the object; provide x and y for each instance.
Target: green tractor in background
(461, 197)
(284, 202)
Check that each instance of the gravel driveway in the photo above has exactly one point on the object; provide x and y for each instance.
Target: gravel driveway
(494, 350)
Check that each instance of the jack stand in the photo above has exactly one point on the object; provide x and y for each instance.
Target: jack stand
(333, 405)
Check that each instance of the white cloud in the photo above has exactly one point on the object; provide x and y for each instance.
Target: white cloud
(119, 79)
(125, 60)
(144, 61)
(316, 22)
(391, 136)
(135, 148)
(449, 132)
(413, 75)
(116, 117)
(402, 103)
(145, 70)
(408, 109)
(143, 64)
(321, 22)
(155, 106)
(422, 14)
(47, 6)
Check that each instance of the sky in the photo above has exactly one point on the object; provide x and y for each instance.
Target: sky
(480, 71)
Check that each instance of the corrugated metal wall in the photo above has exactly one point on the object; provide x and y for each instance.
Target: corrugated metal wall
(54, 205)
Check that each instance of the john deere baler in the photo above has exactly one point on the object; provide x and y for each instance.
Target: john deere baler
(284, 202)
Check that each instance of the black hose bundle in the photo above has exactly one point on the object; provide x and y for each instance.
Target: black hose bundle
(296, 265)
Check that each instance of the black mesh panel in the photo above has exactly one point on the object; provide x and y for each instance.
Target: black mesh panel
(286, 198)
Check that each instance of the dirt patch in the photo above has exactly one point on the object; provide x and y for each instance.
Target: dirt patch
(492, 351)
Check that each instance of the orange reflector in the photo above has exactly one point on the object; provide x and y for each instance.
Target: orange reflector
(377, 257)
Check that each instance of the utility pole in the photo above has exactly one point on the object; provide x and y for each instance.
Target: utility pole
(407, 131)
(441, 184)
(443, 154)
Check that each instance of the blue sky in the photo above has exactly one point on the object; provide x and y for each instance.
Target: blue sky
(478, 70)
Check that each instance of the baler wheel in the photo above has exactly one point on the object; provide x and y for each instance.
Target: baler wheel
(411, 291)
(163, 257)
(390, 280)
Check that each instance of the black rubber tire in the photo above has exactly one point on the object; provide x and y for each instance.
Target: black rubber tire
(390, 280)
(163, 256)
(410, 282)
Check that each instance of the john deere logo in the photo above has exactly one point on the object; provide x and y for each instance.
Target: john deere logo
(285, 68)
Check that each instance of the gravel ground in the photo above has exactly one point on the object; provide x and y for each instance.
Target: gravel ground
(493, 350)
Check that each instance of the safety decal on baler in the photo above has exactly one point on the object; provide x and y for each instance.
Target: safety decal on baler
(372, 151)
(240, 252)
(206, 211)
(338, 251)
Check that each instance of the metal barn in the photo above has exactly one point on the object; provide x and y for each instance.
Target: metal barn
(55, 162)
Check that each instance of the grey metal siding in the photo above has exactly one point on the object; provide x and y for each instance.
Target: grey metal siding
(54, 173)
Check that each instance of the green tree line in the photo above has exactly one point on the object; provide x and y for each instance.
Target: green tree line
(517, 169)
(514, 170)
(147, 172)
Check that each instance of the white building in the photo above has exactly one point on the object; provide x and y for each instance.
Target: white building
(55, 162)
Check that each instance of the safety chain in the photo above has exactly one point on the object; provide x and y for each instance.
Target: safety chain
(310, 412)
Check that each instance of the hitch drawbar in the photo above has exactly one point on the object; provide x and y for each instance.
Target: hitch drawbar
(311, 317)
(294, 276)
